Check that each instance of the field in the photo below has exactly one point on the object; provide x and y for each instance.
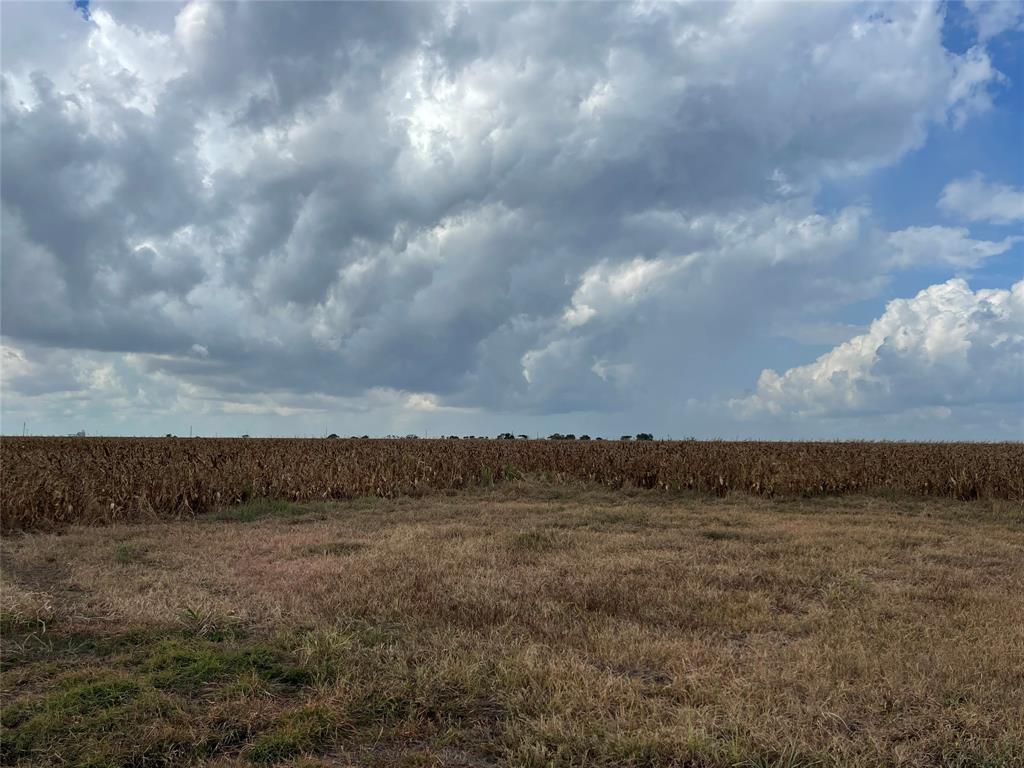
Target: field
(525, 624)
(541, 604)
(54, 481)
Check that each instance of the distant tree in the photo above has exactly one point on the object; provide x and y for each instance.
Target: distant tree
(332, 436)
(644, 436)
(453, 437)
(626, 437)
(584, 437)
(506, 436)
(244, 435)
(556, 436)
(524, 437)
(569, 436)
(412, 437)
(168, 435)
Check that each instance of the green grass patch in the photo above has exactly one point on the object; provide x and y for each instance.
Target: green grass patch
(150, 696)
(304, 730)
(257, 509)
(335, 548)
(191, 666)
(95, 718)
(127, 553)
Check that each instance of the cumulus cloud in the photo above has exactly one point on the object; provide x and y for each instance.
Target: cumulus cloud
(947, 346)
(976, 199)
(332, 200)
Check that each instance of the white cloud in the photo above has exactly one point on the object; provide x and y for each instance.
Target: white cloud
(141, 62)
(14, 365)
(947, 346)
(197, 26)
(976, 199)
(969, 90)
(993, 17)
(943, 246)
(607, 290)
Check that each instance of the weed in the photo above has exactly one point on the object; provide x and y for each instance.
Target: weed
(128, 554)
(335, 548)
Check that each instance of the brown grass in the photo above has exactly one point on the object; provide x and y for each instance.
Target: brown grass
(525, 625)
(48, 482)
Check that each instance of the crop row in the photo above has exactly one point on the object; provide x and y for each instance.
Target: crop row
(53, 481)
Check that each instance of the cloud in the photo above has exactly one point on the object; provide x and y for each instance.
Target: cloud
(975, 199)
(993, 17)
(322, 201)
(943, 246)
(948, 346)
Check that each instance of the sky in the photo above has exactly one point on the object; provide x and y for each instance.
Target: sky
(706, 219)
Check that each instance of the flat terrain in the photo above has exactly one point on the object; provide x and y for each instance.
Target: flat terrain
(49, 482)
(523, 625)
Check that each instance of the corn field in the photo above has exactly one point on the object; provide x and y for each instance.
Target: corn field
(48, 482)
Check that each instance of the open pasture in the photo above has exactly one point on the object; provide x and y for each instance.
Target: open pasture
(524, 624)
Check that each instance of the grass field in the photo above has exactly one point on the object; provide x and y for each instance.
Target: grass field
(527, 624)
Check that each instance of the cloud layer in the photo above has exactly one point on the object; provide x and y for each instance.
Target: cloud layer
(530, 209)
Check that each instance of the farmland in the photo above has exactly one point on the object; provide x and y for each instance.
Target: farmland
(56, 481)
(489, 603)
(523, 624)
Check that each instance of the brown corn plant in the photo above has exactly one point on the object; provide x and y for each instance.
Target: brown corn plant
(48, 482)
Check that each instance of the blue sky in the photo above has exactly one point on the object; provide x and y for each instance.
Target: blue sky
(715, 220)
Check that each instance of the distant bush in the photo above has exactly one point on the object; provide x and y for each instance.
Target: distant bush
(644, 436)
(584, 437)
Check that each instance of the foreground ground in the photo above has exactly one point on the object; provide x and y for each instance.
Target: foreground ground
(525, 625)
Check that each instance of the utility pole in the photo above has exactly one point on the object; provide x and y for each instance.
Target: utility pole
(190, 430)
(24, 427)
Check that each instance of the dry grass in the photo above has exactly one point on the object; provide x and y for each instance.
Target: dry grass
(48, 482)
(524, 625)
